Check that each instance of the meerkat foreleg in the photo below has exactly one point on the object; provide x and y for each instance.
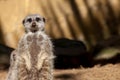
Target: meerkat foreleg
(46, 70)
(12, 73)
(22, 70)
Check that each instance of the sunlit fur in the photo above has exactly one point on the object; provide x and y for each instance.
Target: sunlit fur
(33, 59)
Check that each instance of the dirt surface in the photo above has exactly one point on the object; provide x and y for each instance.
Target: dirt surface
(3, 75)
(107, 72)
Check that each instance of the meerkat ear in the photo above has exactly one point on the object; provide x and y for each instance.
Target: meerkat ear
(44, 20)
(23, 21)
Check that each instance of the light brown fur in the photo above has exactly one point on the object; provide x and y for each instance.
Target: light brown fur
(33, 59)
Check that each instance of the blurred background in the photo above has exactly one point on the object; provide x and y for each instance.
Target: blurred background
(84, 32)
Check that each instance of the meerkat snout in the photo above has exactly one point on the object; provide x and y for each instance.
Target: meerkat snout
(34, 23)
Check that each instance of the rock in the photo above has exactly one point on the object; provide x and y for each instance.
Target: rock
(5, 52)
(70, 53)
(107, 51)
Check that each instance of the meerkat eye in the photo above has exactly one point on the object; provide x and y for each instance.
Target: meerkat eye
(38, 19)
(29, 20)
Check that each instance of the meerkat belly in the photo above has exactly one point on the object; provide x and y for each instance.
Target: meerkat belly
(34, 54)
(35, 50)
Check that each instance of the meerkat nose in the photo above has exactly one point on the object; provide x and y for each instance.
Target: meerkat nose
(33, 24)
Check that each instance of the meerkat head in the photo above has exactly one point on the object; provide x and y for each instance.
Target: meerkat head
(34, 23)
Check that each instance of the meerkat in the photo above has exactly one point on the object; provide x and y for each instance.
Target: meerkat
(33, 59)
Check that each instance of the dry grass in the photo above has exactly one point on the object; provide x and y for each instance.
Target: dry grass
(107, 72)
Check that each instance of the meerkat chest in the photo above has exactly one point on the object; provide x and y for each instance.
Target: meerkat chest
(33, 50)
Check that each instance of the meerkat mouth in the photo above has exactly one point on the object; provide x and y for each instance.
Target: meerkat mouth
(33, 30)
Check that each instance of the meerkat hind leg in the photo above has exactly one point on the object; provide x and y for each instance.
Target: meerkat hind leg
(46, 70)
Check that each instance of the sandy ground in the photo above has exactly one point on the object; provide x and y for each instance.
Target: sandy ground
(107, 72)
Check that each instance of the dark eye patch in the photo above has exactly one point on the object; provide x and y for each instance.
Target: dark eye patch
(29, 20)
(38, 19)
